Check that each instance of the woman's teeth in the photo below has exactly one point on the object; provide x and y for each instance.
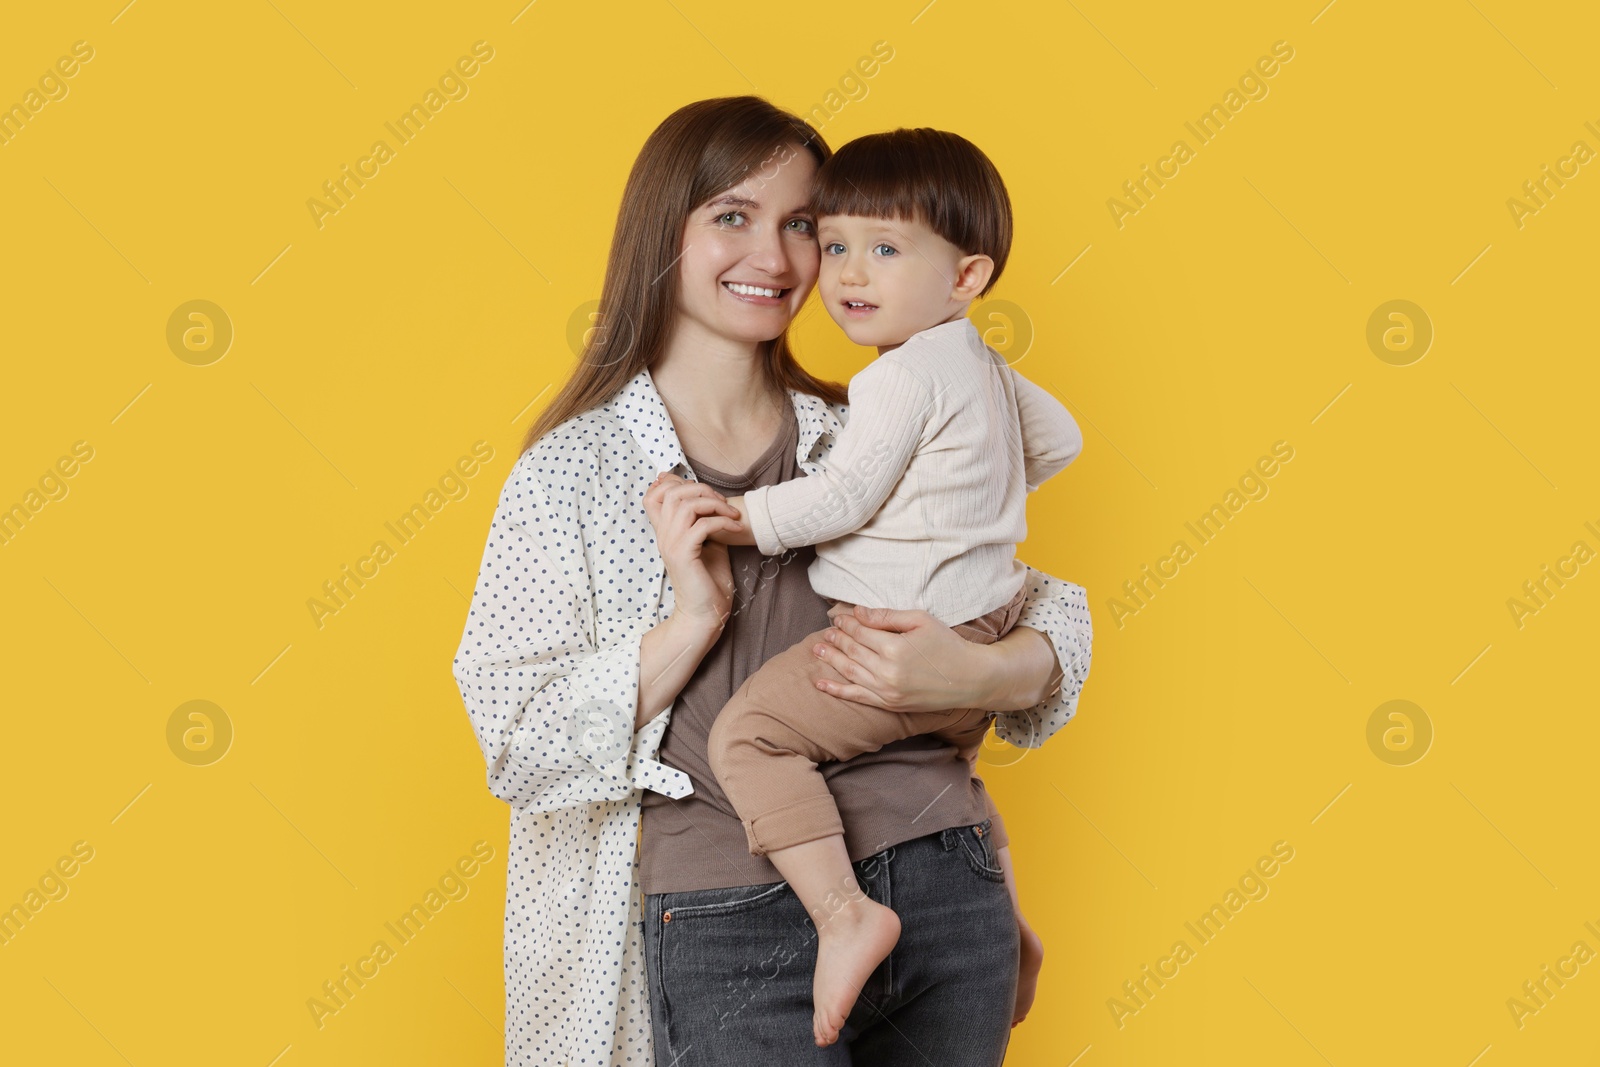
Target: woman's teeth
(752, 290)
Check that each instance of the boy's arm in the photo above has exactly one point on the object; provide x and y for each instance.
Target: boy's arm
(1050, 435)
(889, 406)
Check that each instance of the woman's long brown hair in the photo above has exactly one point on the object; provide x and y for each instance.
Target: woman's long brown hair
(697, 152)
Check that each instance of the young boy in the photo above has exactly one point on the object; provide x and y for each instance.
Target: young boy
(920, 506)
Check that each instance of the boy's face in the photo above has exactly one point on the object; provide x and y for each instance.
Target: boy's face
(883, 280)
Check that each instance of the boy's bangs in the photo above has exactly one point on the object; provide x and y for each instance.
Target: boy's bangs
(871, 185)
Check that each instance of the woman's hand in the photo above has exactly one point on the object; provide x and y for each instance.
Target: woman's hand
(910, 661)
(684, 514)
(902, 661)
(1030, 959)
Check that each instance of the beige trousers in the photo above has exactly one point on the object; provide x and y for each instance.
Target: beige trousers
(768, 739)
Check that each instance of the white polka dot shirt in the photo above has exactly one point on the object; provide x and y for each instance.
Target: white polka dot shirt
(548, 668)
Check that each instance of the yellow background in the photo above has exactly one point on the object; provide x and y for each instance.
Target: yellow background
(1229, 313)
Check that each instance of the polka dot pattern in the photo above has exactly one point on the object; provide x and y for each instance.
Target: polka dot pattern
(548, 668)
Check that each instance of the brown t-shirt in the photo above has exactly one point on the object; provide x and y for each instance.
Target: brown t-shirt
(904, 790)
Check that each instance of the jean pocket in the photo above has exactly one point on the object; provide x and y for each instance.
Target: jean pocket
(980, 856)
(718, 903)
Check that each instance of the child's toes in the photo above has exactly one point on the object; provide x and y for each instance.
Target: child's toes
(824, 1026)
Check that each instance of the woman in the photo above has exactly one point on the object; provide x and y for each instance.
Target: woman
(603, 613)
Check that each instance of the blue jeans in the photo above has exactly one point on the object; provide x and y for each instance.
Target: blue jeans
(730, 969)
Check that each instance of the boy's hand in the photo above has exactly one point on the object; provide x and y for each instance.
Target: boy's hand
(744, 535)
(741, 536)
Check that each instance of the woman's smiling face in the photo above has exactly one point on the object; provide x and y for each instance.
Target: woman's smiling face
(750, 254)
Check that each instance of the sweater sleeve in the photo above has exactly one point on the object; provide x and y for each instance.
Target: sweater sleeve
(889, 406)
(1050, 435)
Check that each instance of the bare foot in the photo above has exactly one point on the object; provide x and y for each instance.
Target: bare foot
(1029, 963)
(850, 945)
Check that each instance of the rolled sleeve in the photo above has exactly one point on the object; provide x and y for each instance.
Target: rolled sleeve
(1059, 610)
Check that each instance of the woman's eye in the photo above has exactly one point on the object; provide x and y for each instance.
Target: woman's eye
(892, 251)
(834, 248)
(801, 225)
(730, 215)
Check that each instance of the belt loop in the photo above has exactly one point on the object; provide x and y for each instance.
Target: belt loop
(947, 837)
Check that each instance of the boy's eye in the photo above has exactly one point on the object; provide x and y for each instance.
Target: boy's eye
(892, 251)
(730, 215)
(834, 248)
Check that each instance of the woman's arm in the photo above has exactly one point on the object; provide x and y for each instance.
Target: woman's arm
(669, 654)
(1022, 671)
(683, 515)
(550, 677)
(910, 661)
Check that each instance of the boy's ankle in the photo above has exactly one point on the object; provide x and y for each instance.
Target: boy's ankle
(848, 917)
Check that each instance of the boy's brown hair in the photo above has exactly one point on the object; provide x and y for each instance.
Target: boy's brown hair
(926, 175)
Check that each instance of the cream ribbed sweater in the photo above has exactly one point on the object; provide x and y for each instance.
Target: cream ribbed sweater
(922, 501)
